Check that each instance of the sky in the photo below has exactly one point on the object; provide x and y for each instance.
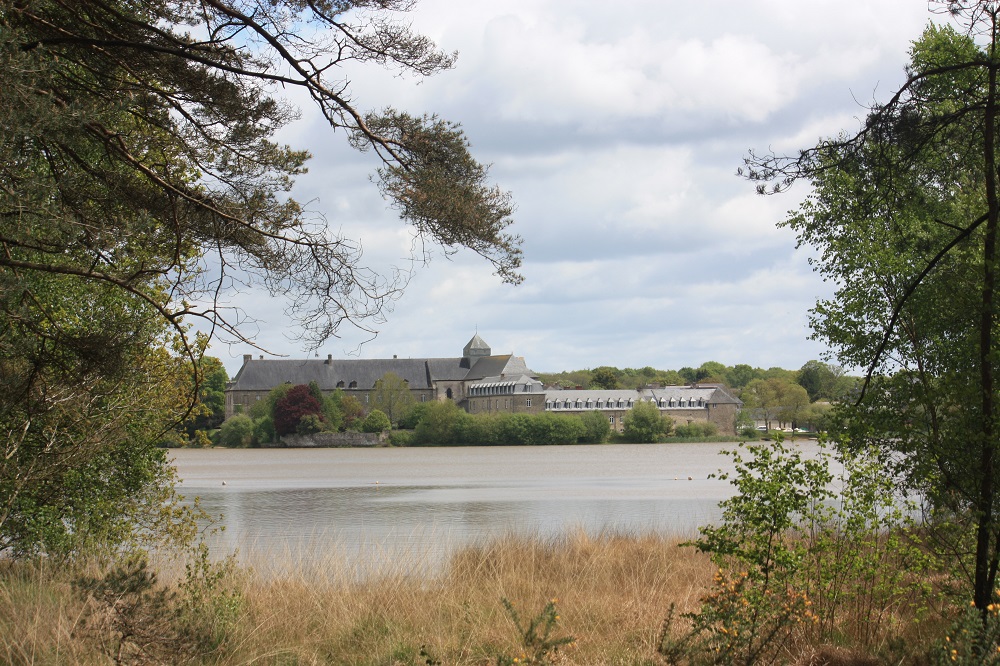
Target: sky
(619, 133)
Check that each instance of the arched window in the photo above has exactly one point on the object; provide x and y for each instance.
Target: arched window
(448, 394)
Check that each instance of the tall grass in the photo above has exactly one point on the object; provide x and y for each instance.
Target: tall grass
(612, 592)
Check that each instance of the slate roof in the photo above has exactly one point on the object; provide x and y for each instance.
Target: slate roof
(265, 374)
(420, 373)
(714, 395)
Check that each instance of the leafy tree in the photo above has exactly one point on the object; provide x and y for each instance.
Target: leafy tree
(376, 421)
(820, 380)
(740, 375)
(209, 409)
(291, 408)
(440, 425)
(767, 396)
(352, 410)
(643, 423)
(596, 428)
(794, 404)
(392, 396)
(236, 431)
(905, 214)
(604, 377)
(412, 417)
(711, 370)
(140, 178)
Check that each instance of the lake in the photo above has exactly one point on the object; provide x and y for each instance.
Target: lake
(379, 504)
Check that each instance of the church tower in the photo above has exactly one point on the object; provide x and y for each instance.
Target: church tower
(475, 350)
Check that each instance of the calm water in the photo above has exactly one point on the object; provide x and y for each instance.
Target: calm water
(376, 504)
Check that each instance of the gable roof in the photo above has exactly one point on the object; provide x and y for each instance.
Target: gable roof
(265, 374)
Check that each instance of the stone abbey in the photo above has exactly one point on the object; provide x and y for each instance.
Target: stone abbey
(478, 382)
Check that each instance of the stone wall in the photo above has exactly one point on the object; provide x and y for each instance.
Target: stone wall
(321, 440)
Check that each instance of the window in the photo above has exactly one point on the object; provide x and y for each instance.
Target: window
(506, 403)
(527, 402)
(366, 398)
(423, 397)
(611, 419)
(353, 384)
(340, 384)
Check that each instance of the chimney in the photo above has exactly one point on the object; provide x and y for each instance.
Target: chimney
(394, 356)
(262, 357)
(246, 358)
(329, 359)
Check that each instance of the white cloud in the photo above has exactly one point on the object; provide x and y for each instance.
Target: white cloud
(619, 131)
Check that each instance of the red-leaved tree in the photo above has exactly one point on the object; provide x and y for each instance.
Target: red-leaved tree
(289, 409)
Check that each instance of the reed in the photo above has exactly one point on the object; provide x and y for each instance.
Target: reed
(612, 594)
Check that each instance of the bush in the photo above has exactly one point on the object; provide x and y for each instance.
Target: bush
(236, 431)
(596, 427)
(798, 563)
(263, 431)
(311, 423)
(376, 421)
(697, 429)
(644, 423)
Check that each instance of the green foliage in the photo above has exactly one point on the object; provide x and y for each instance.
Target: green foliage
(413, 416)
(799, 561)
(440, 425)
(538, 645)
(596, 427)
(645, 424)
(376, 421)
(263, 431)
(237, 431)
(696, 429)
(604, 378)
(970, 640)
(352, 411)
(310, 424)
(905, 218)
(149, 623)
(392, 396)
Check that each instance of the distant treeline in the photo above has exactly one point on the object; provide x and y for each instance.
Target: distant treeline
(821, 381)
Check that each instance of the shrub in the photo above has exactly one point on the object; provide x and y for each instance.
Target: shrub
(596, 427)
(697, 429)
(644, 424)
(376, 421)
(799, 562)
(236, 431)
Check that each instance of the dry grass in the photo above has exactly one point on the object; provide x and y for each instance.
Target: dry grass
(613, 594)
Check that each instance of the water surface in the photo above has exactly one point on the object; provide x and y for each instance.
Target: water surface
(378, 503)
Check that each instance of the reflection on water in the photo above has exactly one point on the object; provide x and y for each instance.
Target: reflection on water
(379, 503)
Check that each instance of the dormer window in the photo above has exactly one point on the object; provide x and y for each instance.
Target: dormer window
(340, 384)
(353, 384)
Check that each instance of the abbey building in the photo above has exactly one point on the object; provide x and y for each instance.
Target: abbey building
(479, 382)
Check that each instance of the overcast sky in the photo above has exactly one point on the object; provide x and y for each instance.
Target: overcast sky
(619, 132)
